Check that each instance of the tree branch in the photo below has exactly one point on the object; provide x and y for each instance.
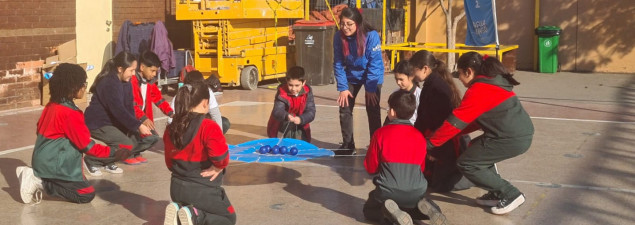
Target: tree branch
(445, 11)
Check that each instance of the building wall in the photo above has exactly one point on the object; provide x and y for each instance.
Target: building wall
(29, 33)
(597, 34)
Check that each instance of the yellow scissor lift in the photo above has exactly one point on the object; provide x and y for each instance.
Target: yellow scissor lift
(242, 41)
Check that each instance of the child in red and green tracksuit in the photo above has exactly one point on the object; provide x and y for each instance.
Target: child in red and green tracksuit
(145, 95)
(196, 153)
(488, 104)
(62, 139)
(293, 108)
(396, 156)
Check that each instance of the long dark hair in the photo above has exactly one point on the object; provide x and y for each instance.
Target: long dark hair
(123, 59)
(187, 97)
(488, 66)
(362, 29)
(67, 80)
(425, 58)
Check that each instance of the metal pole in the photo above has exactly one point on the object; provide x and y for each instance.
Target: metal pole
(496, 28)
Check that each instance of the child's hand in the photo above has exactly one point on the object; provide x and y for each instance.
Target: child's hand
(294, 119)
(212, 172)
(149, 124)
(144, 130)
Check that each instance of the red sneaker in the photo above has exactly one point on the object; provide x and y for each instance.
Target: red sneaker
(141, 159)
(131, 161)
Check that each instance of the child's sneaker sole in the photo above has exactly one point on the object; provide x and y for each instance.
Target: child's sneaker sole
(185, 216)
(171, 214)
(427, 208)
(398, 216)
(97, 172)
(27, 184)
(508, 208)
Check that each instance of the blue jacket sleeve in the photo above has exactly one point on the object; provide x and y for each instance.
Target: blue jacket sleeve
(375, 67)
(111, 96)
(338, 63)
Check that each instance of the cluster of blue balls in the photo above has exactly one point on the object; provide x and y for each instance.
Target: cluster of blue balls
(282, 150)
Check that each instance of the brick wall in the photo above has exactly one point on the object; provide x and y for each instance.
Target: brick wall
(29, 33)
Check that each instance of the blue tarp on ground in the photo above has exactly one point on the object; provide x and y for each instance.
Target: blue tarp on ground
(248, 151)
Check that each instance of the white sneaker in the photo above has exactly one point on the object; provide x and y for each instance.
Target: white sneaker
(171, 217)
(112, 168)
(396, 215)
(432, 210)
(507, 205)
(92, 170)
(29, 184)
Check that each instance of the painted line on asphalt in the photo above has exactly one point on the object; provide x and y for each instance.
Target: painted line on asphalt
(582, 120)
(17, 149)
(584, 187)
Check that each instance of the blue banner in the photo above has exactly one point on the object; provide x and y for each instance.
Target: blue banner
(481, 23)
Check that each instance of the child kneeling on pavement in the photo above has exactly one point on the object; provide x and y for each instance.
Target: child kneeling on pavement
(62, 139)
(397, 155)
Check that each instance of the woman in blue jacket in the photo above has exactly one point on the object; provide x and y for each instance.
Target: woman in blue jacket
(357, 62)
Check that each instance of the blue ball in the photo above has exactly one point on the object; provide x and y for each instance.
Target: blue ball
(263, 150)
(284, 150)
(275, 150)
(268, 148)
(293, 151)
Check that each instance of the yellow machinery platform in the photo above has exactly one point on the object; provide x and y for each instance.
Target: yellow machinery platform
(242, 42)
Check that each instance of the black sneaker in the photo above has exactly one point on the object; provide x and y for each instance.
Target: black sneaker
(488, 199)
(432, 210)
(346, 149)
(507, 205)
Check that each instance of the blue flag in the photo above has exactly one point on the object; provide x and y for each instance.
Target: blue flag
(481, 22)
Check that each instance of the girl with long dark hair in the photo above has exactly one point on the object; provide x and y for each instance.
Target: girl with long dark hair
(196, 154)
(357, 62)
(110, 115)
(489, 104)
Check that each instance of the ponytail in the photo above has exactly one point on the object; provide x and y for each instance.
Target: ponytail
(123, 60)
(485, 65)
(187, 97)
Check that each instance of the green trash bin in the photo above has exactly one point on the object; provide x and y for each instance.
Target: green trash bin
(548, 38)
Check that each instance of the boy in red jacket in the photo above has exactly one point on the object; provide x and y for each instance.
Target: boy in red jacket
(397, 156)
(293, 108)
(146, 93)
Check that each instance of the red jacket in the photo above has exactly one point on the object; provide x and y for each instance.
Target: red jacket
(62, 137)
(397, 156)
(153, 95)
(302, 106)
(204, 146)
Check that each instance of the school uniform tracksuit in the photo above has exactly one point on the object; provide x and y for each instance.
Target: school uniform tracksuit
(489, 103)
(302, 106)
(144, 101)
(204, 146)
(396, 155)
(351, 72)
(62, 139)
(110, 116)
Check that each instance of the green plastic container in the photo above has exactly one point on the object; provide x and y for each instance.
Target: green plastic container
(548, 38)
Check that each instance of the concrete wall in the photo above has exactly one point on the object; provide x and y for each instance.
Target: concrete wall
(597, 34)
(29, 33)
